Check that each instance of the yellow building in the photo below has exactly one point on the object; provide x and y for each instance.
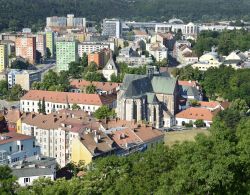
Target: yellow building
(3, 57)
(90, 146)
(50, 42)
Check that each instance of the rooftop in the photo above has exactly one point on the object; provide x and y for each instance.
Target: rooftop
(67, 97)
(12, 137)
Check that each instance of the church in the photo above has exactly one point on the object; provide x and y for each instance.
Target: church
(152, 98)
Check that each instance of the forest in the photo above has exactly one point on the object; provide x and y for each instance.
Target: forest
(16, 14)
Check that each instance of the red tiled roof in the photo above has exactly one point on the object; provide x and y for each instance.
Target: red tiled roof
(197, 113)
(67, 97)
(212, 104)
(187, 83)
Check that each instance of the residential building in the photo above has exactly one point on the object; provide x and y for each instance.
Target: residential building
(3, 57)
(15, 148)
(41, 43)
(91, 145)
(159, 51)
(26, 176)
(110, 69)
(152, 98)
(26, 48)
(100, 58)
(11, 117)
(236, 59)
(66, 22)
(11, 51)
(55, 101)
(90, 47)
(112, 28)
(207, 61)
(55, 132)
(50, 43)
(25, 78)
(131, 137)
(107, 88)
(134, 61)
(190, 115)
(66, 52)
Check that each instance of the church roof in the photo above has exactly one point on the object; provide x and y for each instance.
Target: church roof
(152, 99)
(138, 85)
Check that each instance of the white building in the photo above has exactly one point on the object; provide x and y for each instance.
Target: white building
(109, 69)
(55, 101)
(25, 78)
(207, 61)
(26, 176)
(55, 132)
(90, 47)
(15, 148)
(112, 28)
(134, 61)
(158, 50)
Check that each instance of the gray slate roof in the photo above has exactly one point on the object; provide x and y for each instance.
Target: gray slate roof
(112, 63)
(28, 172)
(139, 85)
(189, 91)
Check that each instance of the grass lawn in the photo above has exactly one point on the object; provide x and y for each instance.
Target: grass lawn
(180, 136)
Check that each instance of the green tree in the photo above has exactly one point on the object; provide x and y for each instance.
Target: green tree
(75, 70)
(18, 64)
(104, 112)
(91, 89)
(199, 123)
(15, 92)
(48, 53)
(240, 106)
(8, 183)
(43, 108)
(75, 107)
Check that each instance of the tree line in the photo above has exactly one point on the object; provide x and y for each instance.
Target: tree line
(30, 13)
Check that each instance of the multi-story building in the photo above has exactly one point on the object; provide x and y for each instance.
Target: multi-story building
(26, 48)
(41, 43)
(151, 97)
(50, 43)
(55, 101)
(112, 28)
(99, 57)
(66, 22)
(3, 57)
(25, 78)
(15, 148)
(158, 50)
(55, 132)
(134, 61)
(89, 47)
(66, 52)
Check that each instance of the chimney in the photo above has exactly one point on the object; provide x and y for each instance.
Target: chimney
(96, 139)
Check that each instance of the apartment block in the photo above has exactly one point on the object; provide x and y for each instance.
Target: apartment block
(3, 57)
(26, 48)
(50, 42)
(90, 47)
(41, 43)
(66, 52)
(112, 28)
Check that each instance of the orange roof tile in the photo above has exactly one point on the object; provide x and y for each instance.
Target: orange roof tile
(67, 97)
(187, 83)
(197, 113)
(12, 136)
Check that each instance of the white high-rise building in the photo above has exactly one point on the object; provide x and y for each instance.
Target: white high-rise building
(112, 28)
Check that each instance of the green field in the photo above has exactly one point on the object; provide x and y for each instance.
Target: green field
(180, 136)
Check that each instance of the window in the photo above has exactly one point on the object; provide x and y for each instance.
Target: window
(10, 149)
(21, 147)
(26, 180)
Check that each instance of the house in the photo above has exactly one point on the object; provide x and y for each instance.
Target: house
(107, 88)
(196, 113)
(90, 145)
(11, 117)
(26, 176)
(15, 147)
(158, 50)
(235, 59)
(131, 137)
(150, 97)
(55, 101)
(207, 61)
(110, 69)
